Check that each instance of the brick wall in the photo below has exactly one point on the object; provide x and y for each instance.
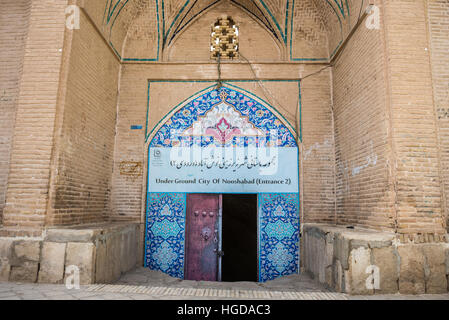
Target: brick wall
(84, 146)
(27, 194)
(385, 126)
(318, 154)
(14, 17)
(438, 17)
(256, 43)
(332, 24)
(131, 27)
(142, 40)
(309, 35)
(364, 180)
(113, 19)
(413, 118)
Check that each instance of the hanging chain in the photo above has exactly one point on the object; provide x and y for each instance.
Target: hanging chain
(219, 82)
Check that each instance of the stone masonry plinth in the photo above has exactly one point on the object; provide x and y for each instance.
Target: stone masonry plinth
(359, 261)
(101, 252)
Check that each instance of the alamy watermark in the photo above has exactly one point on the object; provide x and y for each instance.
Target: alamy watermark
(72, 280)
(72, 21)
(373, 280)
(373, 20)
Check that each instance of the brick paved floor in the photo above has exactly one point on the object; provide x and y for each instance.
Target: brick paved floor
(144, 284)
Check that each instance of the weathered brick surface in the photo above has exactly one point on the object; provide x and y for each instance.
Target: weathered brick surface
(252, 37)
(310, 32)
(438, 17)
(14, 15)
(27, 194)
(364, 180)
(414, 127)
(388, 166)
(79, 192)
(318, 149)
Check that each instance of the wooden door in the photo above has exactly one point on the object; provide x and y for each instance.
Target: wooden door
(202, 237)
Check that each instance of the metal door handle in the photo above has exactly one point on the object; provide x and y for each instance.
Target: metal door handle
(206, 233)
(216, 236)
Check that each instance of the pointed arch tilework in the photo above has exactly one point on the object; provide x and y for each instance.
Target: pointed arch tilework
(252, 111)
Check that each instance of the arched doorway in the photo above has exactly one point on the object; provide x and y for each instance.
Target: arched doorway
(223, 144)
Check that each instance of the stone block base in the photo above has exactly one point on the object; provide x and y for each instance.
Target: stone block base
(358, 261)
(101, 253)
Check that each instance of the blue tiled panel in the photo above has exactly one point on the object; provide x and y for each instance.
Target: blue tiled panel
(165, 233)
(256, 114)
(279, 235)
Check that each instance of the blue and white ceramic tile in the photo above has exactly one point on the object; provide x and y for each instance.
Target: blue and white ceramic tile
(165, 233)
(279, 235)
(224, 117)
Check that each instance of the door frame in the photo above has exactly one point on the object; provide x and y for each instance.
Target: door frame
(220, 232)
(220, 237)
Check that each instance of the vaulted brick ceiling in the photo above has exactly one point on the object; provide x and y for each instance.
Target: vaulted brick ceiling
(177, 14)
(336, 16)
